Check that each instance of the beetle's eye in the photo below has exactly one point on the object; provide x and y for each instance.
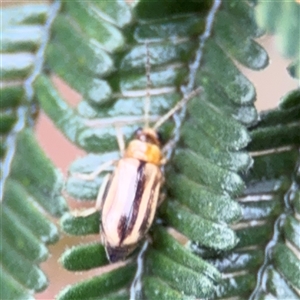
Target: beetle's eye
(138, 132)
(159, 137)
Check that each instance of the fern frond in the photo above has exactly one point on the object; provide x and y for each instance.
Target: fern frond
(282, 19)
(188, 47)
(30, 185)
(279, 184)
(265, 262)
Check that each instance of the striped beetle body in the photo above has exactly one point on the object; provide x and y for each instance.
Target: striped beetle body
(131, 195)
(129, 198)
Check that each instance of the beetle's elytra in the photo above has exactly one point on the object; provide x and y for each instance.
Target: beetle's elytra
(131, 195)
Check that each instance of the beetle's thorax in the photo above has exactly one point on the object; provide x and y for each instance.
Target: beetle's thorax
(145, 147)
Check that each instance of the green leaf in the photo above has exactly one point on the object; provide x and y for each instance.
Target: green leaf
(27, 274)
(212, 206)
(288, 264)
(26, 213)
(278, 286)
(283, 22)
(179, 277)
(12, 289)
(294, 69)
(268, 230)
(84, 257)
(25, 14)
(282, 19)
(171, 248)
(89, 54)
(80, 225)
(11, 96)
(108, 36)
(100, 287)
(83, 189)
(37, 174)
(157, 289)
(198, 228)
(100, 49)
(30, 184)
(21, 38)
(16, 66)
(207, 174)
(233, 37)
(24, 228)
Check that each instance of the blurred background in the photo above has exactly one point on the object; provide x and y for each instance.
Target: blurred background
(271, 84)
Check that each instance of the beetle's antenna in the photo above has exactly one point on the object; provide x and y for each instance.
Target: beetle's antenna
(178, 106)
(147, 98)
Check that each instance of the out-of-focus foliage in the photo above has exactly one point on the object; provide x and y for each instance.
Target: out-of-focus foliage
(30, 185)
(283, 19)
(227, 213)
(265, 263)
(183, 44)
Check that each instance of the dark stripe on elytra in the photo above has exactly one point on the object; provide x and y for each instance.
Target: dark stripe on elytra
(145, 222)
(126, 225)
(122, 228)
(117, 253)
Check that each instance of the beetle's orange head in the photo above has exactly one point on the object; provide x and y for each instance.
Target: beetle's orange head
(148, 135)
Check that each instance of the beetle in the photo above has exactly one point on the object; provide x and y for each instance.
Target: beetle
(130, 196)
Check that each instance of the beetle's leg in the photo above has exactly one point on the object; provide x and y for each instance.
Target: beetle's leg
(95, 173)
(164, 160)
(177, 107)
(120, 139)
(171, 143)
(162, 196)
(103, 187)
(99, 201)
(104, 166)
(161, 199)
(84, 213)
(169, 146)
